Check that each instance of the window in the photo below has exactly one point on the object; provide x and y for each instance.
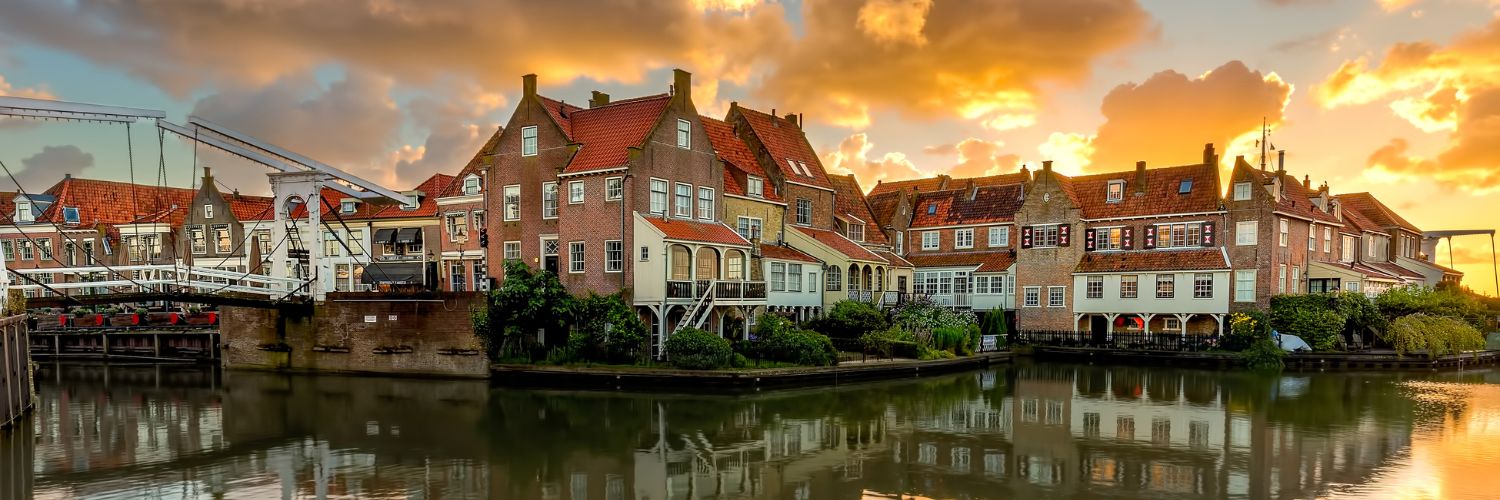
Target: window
(1370, 246)
(614, 188)
(804, 211)
(1327, 240)
(44, 247)
(900, 243)
(1095, 287)
(1312, 239)
(263, 243)
(658, 196)
(614, 256)
(512, 197)
(151, 242)
(1281, 279)
(512, 250)
(1185, 186)
(778, 277)
(734, 267)
(471, 185)
(835, 280)
(223, 242)
(1109, 238)
(748, 227)
(1179, 235)
(794, 277)
(682, 201)
(356, 241)
(198, 240)
(8, 248)
(1055, 295)
(1129, 286)
(1116, 192)
(23, 211)
(1203, 286)
(999, 236)
(456, 275)
(70, 215)
(458, 228)
(705, 203)
(645, 253)
(1241, 191)
(1166, 286)
(575, 192)
(549, 200)
(1349, 247)
(208, 211)
(1244, 285)
(856, 232)
(330, 244)
(412, 202)
(1031, 296)
(528, 141)
(1296, 279)
(1244, 232)
(929, 240)
(684, 134)
(1285, 232)
(755, 186)
(963, 238)
(575, 256)
(28, 252)
(1044, 236)
(346, 206)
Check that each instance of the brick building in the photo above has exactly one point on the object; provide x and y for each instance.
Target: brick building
(1397, 243)
(962, 243)
(1280, 227)
(464, 265)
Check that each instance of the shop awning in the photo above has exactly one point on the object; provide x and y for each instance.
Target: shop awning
(409, 235)
(392, 273)
(383, 236)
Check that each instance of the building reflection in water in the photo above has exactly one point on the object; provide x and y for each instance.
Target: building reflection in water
(1026, 431)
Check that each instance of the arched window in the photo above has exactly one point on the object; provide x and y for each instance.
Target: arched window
(853, 277)
(879, 279)
(708, 264)
(835, 279)
(734, 265)
(682, 263)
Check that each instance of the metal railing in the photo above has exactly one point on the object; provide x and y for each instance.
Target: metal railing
(1133, 340)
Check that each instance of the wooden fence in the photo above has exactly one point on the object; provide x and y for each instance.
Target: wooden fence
(15, 379)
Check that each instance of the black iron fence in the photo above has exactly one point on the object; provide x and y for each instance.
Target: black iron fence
(1154, 341)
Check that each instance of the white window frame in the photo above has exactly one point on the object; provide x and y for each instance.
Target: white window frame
(682, 191)
(614, 188)
(1045, 235)
(803, 213)
(755, 186)
(1105, 238)
(963, 238)
(661, 194)
(1135, 286)
(749, 227)
(471, 185)
(1171, 292)
(225, 245)
(1200, 291)
(1281, 286)
(1244, 285)
(778, 277)
(999, 236)
(347, 206)
(1285, 232)
(684, 134)
(457, 224)
(549, 200)
(577, 257)
(1327, 240)
(1057, 296)
(528, 140)
(71, 215)
(1241, 191)
(1192, 235)
(931, 240)
(1114, 192)
(856, 232)
(1245, 232)
(208, 211)
(575, 192)
(1312, 238)
(510, 250)
(615, 263)
(705, 203)
(511, 198)
(1349, 249)
(1031, 296)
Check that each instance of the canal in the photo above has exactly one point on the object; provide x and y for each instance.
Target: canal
(1021, 431)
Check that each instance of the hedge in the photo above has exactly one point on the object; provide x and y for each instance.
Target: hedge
(695, 349)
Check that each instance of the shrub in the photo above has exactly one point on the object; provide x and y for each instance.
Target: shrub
(922, 317)
(1263, 355)
(801, 347)
(882, 343)
(694, 349)
(994, 324)
(1311, 317)
(850, 319)
(769, 325)
(1402, 301)
(1438, 335)
(610, 331)
(1245, 328)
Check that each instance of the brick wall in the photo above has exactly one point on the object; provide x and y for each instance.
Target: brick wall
(947, 236)
(1046, 203)
(426, 326)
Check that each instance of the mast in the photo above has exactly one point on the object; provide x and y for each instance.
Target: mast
(1263, 143)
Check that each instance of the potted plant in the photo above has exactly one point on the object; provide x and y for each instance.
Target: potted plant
(197, 316)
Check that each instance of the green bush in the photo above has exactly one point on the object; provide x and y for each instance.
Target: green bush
(1312, 317)
(800, 347)
(850, 319)
(1263, 355)
(606, 329)
(922, 317)
(1407, 300)
(769, 325)
(694, 349)
(907, 349)
(880, 343)
(994, 324)
(1245, 328)
(1437, 335)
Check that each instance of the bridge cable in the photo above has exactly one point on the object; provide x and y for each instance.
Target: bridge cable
(284, 238)
(347, 250)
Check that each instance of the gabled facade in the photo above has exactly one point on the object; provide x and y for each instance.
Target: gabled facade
(1402, 248)
(791, 165)
(1279, 231)
(464, 265)
(213, 233)
(962, 243)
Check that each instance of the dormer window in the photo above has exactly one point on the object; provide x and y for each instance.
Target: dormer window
(755, 186)
(411, 202)
(1185, 187)
(471, 185)
(1115, 192)
(70, 215)
(346, 207)
(23, 212)
(208, 211)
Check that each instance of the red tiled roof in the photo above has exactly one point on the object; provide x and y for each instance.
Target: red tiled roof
(849, 201)
(1161, 192)
(946, 208)
(1366, 270)
(985, 262)
(7, 205)
(883, 206)
(702, 232)
(426, 207)
(920, 185)
(839, 244)
(1372, 208)
(607, 132)
(894, 259)
(739, 162)
(769, 251)
(1296, 200)
(559, 111)
(1357, 221)
(1197, 259)
(474, 167)
(784, 140)
(250, 208)
(110, 202)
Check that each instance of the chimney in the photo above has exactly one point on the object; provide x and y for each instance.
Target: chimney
(1281, 162)
(1209, 156)
(1025, 172)
(528, 85)
(599, 99)
(943, 181)
(682, 84)
(1306, 181)
(1047, 166)
(208, 176)
(792, 117)
(1140, 177)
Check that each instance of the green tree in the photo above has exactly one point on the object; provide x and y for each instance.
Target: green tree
(1437, 335)
(850, 319)
(528, 302)
(606, 329)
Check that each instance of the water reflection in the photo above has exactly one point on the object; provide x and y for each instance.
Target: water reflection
(1026, 431)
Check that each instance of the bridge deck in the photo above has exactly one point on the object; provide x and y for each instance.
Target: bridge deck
(218, 299)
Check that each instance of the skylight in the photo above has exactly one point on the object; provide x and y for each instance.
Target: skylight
(931, 208)
(70, 215)
(1185, 187)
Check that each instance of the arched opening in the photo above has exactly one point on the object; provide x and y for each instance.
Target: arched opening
(867, 278)
(734, 265)
(708, 264)
(853, 277)
(681, 261)
(835, 278)
(880, 279)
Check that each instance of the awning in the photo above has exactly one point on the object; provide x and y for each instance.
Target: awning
(383, 236)
(392, 273)
(409, 235)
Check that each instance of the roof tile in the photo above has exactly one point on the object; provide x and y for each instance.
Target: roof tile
(850, 202)
(607, 132)
(991, 204)
(779, 252)
(1161, 193)
(1197, 259)
(692, 230)
(840, 244)
(1370, 207)
(785, 140)
(739, 162)
(985, 262)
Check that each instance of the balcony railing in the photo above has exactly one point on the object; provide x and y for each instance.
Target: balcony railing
(1130, 340)
(862, 295)
(691, 290)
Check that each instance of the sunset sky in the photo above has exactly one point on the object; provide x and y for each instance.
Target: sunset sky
(1397, 97)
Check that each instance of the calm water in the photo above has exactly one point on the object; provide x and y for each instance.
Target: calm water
(1025, 431)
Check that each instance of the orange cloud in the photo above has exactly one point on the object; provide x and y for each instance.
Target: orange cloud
(978, 157)
(852, 157)
(7, 89)
(1169, 117)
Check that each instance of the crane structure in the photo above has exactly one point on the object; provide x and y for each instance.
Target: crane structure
(1431, 239)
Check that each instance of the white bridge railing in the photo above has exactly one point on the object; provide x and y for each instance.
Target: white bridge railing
(165, 277)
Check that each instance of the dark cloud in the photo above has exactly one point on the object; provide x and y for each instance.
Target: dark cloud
(40, 171)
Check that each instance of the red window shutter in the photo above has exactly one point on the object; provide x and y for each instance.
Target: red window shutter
(1026, 237)
(1062, 234)
(1208, 234)
(1150, 242)
(1127, 238)
(1088, 240)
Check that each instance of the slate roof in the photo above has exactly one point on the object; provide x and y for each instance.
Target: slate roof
(1204, 259)
(769, 251)
(988, 205)
(606, 132)
(1372, 208)
(984, 262)
(1161, 192)
(839, 244)
(739, 162)
(784, 140)
(692, 230)
(849, 201)
(474, 167)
